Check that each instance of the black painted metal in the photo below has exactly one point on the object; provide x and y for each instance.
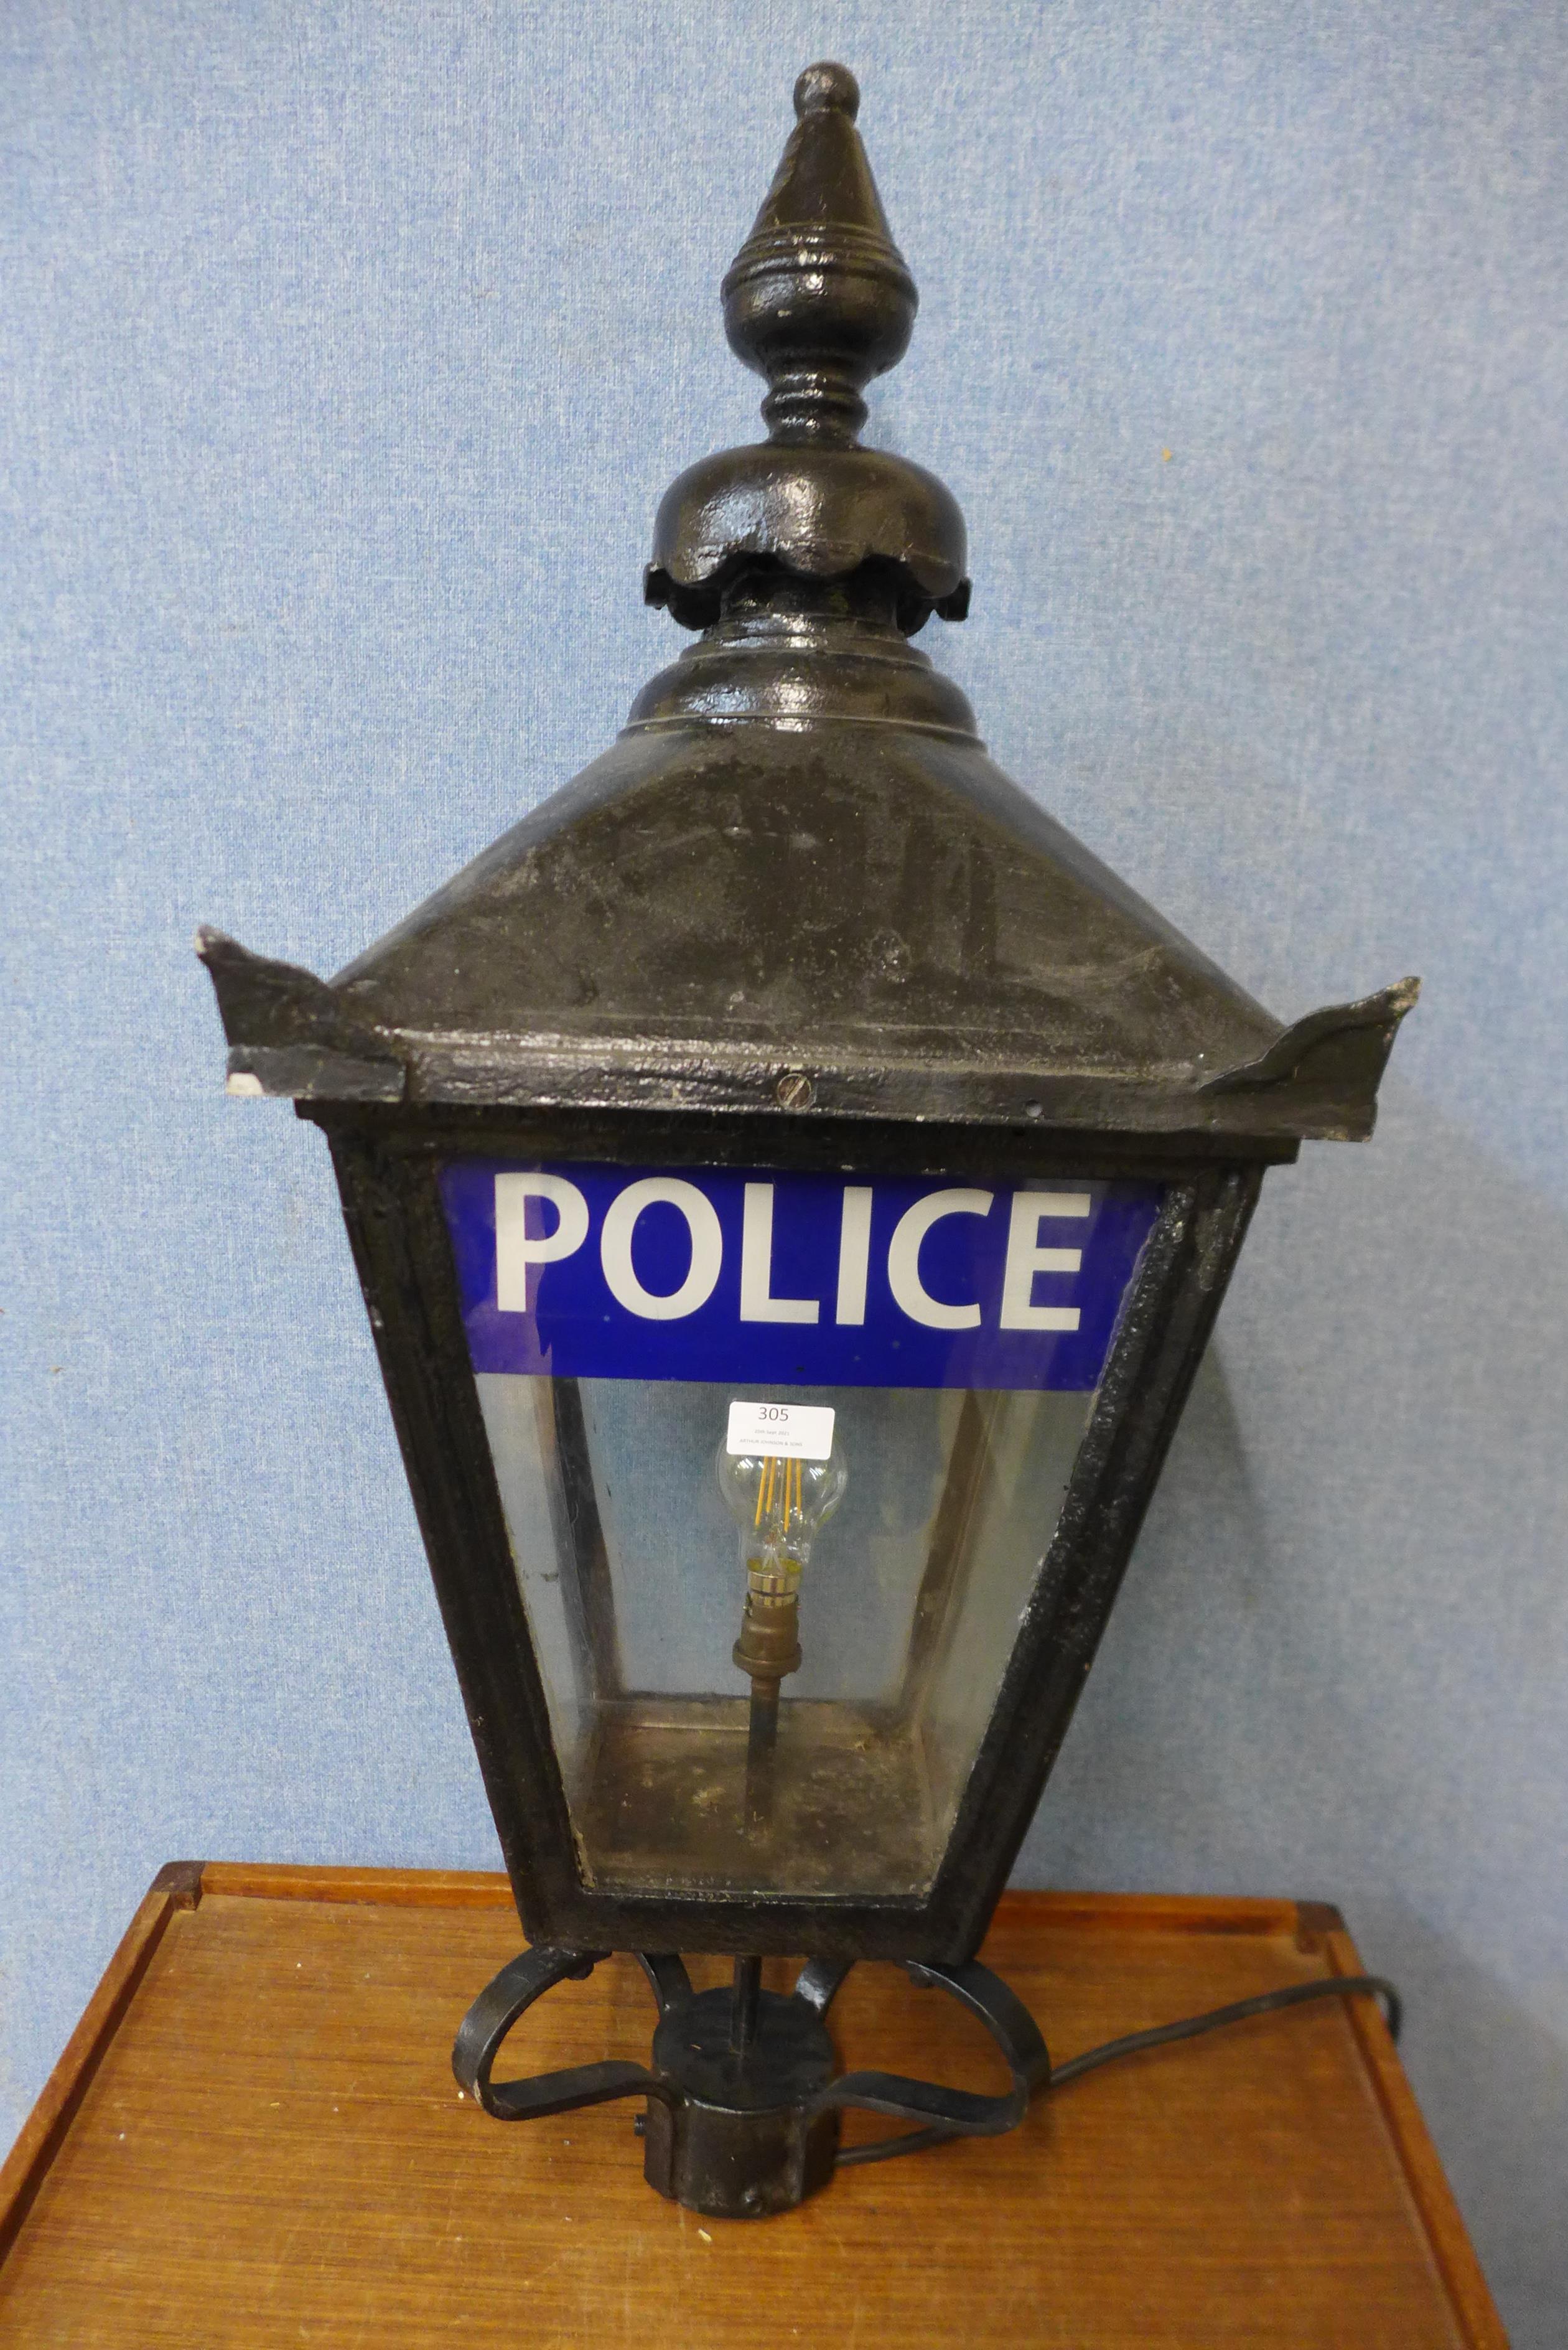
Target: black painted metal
(743, 2101)
(667, 1976)
(794, 916)
(798, 863)
(959, 2112)
(718, 908)
(820, 1982)
(492, 2017)
(745, 2005)
(739, 2133)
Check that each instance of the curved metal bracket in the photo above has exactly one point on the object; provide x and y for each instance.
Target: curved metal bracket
(819, 1980)
(739, 2142)
(940, 2112)
(945, 2113)
(509, 1996)
(667, 1978)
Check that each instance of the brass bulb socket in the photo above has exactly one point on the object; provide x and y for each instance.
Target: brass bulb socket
(769, 1645)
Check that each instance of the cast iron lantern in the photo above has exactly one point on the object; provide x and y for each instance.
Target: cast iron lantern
(792, 1184)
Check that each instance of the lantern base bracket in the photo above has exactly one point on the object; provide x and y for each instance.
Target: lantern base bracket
(744, 2102)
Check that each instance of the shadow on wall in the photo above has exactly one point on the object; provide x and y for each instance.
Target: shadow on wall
(1338, 1667)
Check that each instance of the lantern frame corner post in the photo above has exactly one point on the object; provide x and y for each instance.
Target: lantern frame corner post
(1167, 1323)
(401, 1254)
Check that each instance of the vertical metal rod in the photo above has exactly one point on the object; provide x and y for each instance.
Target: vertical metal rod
(743, 2004)
(761, 1739)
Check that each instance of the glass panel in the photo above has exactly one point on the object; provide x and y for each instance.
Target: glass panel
(773, 1613)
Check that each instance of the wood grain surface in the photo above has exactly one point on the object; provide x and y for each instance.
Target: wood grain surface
(255, 2138)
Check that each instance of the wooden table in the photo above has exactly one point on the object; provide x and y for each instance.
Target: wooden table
(254, 2137)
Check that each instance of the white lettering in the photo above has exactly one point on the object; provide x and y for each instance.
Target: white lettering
(758, 1302)
(515, 1249)
(707, 1248)
(854, 1253)
(1025, 1258)
(909, 1292)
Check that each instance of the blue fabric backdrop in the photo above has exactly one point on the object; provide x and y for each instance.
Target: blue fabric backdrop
(347, 351)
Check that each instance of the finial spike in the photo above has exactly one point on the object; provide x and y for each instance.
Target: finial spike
(819, 299)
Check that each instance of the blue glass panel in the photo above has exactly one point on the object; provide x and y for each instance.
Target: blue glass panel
(771, 1278)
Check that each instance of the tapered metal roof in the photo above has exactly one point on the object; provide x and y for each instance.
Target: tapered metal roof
(797, 882)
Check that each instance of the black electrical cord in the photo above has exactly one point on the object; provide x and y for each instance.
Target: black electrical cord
(882, 2149)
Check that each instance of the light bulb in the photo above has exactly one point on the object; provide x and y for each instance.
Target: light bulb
(779, 1506)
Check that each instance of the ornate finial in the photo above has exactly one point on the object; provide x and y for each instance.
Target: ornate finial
(819, 299)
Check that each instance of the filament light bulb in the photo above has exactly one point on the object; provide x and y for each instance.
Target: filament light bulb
(780, 1505)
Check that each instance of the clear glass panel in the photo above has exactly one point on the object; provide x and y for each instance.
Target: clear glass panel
(769, 1671)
